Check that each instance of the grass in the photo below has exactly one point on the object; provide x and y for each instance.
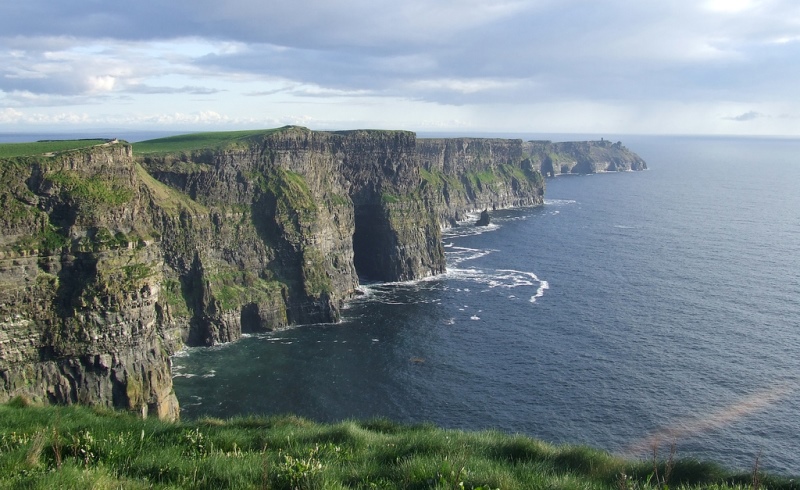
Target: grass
(14, 150)
(96, 190)
(198, 141)
(167, 198)
(78, 447)
(234, 288)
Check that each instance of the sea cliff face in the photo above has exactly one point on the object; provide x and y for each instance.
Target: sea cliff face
(583, 157)
(469, 174)
(80, 279)
(110, 261)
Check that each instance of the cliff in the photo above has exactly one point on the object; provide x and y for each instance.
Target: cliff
(80, 279)
(111, 260)
(469, 174)
(582, 157)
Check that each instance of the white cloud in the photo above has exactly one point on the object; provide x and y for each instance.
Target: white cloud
(101, 83)
(361, 61)
(9, 115)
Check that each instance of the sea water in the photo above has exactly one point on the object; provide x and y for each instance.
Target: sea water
(632, 310)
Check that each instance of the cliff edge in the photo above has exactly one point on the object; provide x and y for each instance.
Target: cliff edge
(112, 257)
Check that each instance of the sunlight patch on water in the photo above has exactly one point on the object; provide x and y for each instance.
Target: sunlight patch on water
(689, 427)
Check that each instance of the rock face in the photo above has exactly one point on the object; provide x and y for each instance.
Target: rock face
(109, 262)
(80, 279)
(469, 174)
(583, 157)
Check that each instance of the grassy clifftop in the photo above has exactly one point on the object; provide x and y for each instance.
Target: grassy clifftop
(73, 447)
(199, 141)
(14, 150)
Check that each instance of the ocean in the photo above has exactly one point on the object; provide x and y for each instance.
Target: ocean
(632, 310)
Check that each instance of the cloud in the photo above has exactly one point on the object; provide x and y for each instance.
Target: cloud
(9, 115)
(140, 88)
(747, 116)
(247, 54)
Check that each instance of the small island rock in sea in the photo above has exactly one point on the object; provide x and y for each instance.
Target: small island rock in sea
(484, 219)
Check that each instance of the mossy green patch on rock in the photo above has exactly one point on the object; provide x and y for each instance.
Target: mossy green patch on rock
(234, 288)
(315, 277)
(95, 190)
(172, 294)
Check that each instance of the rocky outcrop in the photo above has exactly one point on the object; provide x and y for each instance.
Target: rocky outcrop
(484, 219)
(110, 262)
(582, 157)
(470, 174)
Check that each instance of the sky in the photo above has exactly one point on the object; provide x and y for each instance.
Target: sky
(536, 66)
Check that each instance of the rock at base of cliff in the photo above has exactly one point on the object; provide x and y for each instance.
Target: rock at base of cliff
(484, 219)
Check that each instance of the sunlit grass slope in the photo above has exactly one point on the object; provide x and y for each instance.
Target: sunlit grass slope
(77, 447)
(198, 141)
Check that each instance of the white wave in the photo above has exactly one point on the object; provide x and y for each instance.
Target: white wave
(522, 217)
(543, 286)
(182, 353)
(559, 202)
(275, 339)
(365, 291)
(456, 255)
(468, 229)
(474, 317)
(501, 278)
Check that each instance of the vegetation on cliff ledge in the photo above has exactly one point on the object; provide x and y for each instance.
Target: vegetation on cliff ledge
(77, 447)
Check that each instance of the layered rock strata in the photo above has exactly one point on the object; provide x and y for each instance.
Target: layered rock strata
(583, 157)
(110, 262)
(80, 279)
(472, 174)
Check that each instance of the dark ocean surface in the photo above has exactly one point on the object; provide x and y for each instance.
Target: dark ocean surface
(632, 307)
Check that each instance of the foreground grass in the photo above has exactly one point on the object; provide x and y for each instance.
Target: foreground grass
(76, 447)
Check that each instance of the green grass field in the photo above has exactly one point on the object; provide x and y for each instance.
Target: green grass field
(197, 141)
(77, 447)
(13, 150)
